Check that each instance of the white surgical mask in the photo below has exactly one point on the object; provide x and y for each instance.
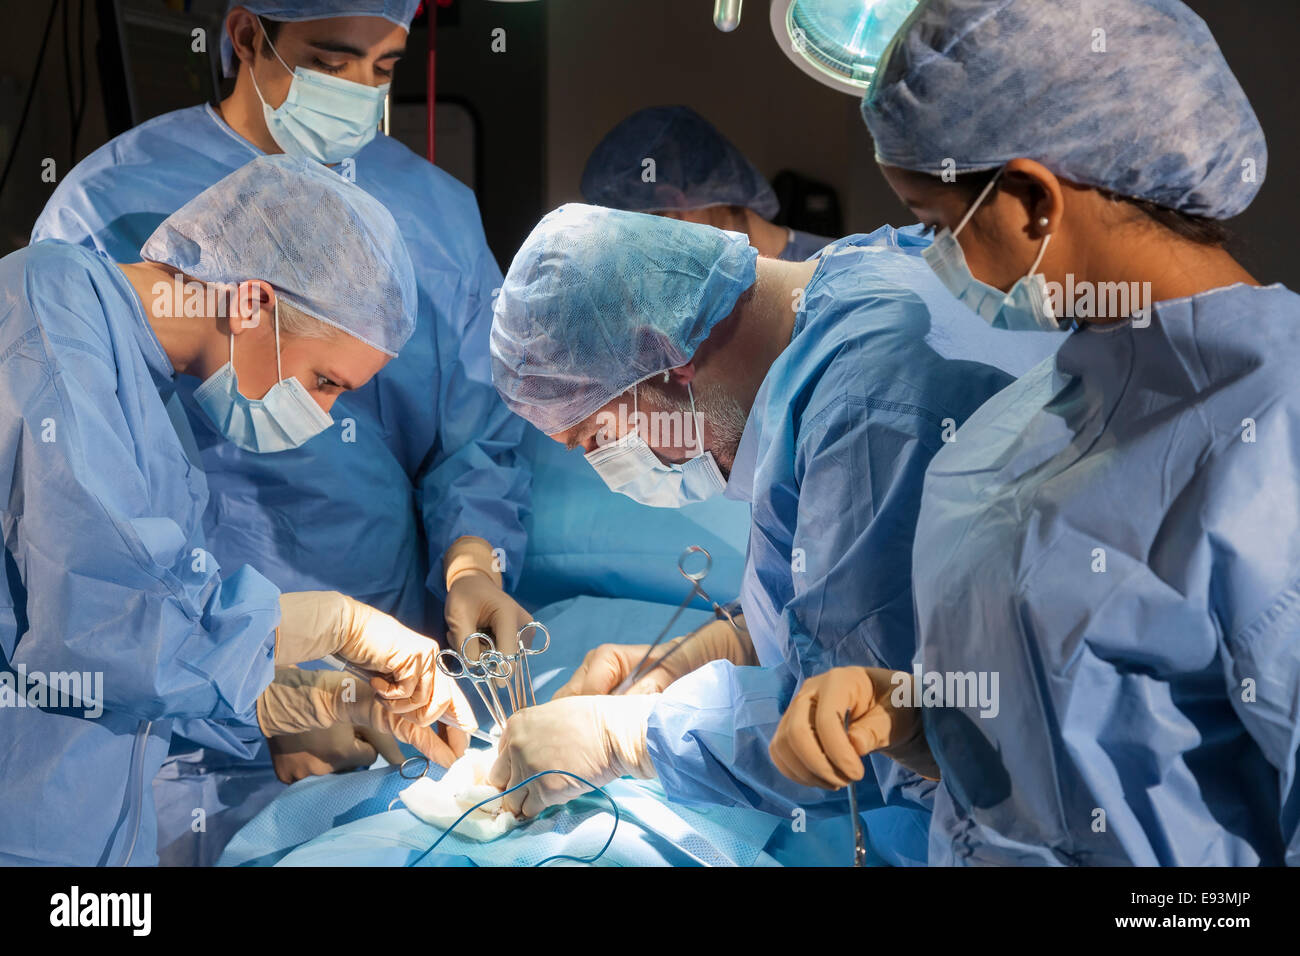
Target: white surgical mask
(630, 467)
(1026, 306)
(325, 118)
(285, 417)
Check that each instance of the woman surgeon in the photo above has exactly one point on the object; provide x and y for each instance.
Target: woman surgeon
(1112, 544)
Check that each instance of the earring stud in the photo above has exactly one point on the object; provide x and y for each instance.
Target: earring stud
(1043, 222)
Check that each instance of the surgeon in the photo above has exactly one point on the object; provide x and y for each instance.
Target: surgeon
(684, 366)
(671, 161)
(279, 288)
(422, 478)
(1116, 535)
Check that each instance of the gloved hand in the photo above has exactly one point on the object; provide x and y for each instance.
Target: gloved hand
(314, 624)
(598, 738)
(604, 668)
(298, 701)
(475, 598)
(315, 753)
(812, 747)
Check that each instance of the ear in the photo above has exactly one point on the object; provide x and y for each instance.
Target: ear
(1039, 191)
(683, 374)
(245, 34)
(254, 299)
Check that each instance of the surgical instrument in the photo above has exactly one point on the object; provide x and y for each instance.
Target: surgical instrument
(694, 577)
(523, 651)
(338, 663)
(859, 841)
(505, 672)
(521, 690)
(501, 666)
(481, 672)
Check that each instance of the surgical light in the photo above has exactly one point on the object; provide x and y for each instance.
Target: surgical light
(726, 14)
(838, 42)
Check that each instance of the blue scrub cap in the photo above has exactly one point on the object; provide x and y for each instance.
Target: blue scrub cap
(695, 166)
(598, 300)
(329, 248)
(400, 12)
(1132, 96)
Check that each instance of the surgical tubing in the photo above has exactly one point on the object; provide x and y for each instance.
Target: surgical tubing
(524, 783)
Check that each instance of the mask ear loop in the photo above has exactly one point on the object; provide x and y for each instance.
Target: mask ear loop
(1042, 251)
(273, 49)
(699, 438)
(252, 74)
(231, 361)
(976, 204)
(279, 372)
(256, 89)
(635, 431)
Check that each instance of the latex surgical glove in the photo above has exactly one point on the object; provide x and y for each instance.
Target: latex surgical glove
(298, 701)
(597, 738)
(812, 746)
(315, 753)
(315, 624)
(608, 665)
(476, 600)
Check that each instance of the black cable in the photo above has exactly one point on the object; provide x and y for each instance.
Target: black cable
(31, 95)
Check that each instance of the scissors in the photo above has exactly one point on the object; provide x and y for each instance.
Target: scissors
(859, 841)
(694, 577)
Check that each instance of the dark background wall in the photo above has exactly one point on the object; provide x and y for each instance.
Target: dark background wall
(1258, 40)
(573, 68)
(506, 90)
(609, 59)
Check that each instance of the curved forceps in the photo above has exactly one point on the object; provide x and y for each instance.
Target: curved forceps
(481, 674)
(694, 577)
(522, 653)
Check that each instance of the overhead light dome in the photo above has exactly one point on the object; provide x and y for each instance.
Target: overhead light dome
(838, 42)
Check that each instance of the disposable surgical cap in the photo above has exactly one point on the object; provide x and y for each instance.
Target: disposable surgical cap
(598, 300)
(328, 248)
(399, 12)
(694, 166)
(1132, 96)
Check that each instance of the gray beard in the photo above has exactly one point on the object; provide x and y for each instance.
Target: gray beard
(726, 420)
(725, 417)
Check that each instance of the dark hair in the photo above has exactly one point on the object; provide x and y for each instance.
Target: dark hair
(272, 27)
(1199, 229)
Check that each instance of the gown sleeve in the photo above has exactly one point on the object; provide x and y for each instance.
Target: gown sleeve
(111, 583)
(856, 509)
(476, 481)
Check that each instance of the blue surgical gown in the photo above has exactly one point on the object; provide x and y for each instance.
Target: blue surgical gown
(105, 568)
(1117, 536)
(882, 367)
(802, 245)
(423, 453)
